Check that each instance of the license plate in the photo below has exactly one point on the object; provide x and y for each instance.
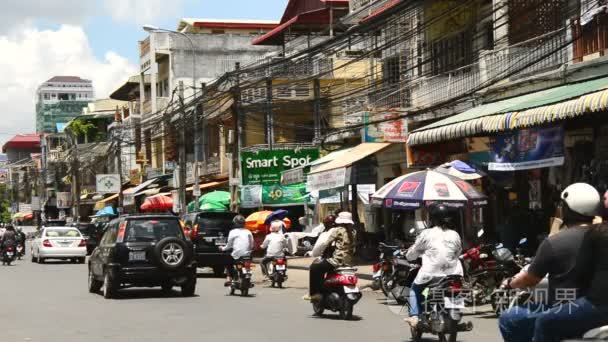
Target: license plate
(137, 256)
(220, 242)
(351, 289)
(453, 303)
(10, 254)
(246, 271)
(280, 267)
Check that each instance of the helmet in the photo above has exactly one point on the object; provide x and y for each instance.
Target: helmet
(582, 199)
(238, 221)
(329, 221)
(440, 215)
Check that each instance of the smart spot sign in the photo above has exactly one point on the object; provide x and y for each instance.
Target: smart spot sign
(265, 167)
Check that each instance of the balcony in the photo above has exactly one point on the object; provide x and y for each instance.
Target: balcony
(542, 53)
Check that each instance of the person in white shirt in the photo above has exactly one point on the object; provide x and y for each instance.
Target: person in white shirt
(275, 245)
(240, 242)
(439, 248)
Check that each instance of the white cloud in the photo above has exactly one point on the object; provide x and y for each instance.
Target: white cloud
(141, 11)
(33, 56)
(17, 14)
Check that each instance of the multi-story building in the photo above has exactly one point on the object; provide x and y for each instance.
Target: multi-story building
(59, 100)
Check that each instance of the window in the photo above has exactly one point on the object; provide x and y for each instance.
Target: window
(547, 16)
(46, 96)
(62, 232)
(451, 53)
(149, 230)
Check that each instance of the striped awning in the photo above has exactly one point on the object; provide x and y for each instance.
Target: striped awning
(482, 120)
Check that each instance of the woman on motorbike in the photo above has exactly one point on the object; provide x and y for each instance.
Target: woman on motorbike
(342, 238)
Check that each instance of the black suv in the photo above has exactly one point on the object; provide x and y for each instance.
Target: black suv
(209, 231)
(143, 251)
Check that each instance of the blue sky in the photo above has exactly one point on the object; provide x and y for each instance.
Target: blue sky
(105, 33)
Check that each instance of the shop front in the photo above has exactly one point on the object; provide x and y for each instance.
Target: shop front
(530, 147)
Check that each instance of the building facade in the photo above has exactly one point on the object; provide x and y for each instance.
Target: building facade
(59, 100)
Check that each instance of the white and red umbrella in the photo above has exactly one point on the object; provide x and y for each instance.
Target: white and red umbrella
(419, 189)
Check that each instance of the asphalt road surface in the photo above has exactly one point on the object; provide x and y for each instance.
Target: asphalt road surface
(50, 303)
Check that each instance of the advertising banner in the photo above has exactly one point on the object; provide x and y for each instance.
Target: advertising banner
(282, 195)
(528, 149)
(251, 196)
(265, 167)
(394, 130)
(329, 179)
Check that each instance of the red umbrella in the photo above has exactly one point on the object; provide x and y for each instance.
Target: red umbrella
(157, 203)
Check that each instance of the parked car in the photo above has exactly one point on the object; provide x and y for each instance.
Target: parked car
(143, 251)
(64, 243)
(208, 231)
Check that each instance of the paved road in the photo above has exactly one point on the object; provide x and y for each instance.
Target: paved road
(50, 303)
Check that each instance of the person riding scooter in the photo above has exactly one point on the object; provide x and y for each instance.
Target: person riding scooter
(342, 237)
(564, 258)
(9, 238)
(274, 244)
(439, 248)
(240, 241)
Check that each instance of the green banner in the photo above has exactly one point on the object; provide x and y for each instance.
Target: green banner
(265, 167)
(278, 195)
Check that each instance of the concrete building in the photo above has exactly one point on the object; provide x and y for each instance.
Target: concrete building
(59, 100)
(166, 58)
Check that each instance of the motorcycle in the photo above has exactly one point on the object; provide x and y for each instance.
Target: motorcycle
(278, 272)
(443, 304)
(242, 280)
(511, 266)
(8, 255)
(340, 293)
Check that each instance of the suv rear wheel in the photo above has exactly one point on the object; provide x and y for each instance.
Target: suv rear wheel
(94, 284)
(172, 253)
(109, 286)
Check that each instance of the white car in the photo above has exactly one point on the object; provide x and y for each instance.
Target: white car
(65, 243)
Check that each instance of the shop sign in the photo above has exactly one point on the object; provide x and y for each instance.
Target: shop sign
(394, 130)
(333, 195)
(528, 149)
(293, 176)
(265, 167)
(282, 195)
(251, 196)
(25, 208)
(108, 184)
(328, 179)
(153, 173)
(64, 200)
(35, 203)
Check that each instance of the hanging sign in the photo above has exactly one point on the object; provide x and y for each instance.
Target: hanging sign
(108, 184)
(265, 166)
(526, 149)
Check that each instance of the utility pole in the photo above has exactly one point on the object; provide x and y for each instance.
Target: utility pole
(182, 152)
(269, 115)
(44, 161)
(196, 191)
(236, 145)
(317, 109)
(75, 177)
(118, 142)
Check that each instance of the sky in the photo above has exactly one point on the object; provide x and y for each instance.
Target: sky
(94, 39)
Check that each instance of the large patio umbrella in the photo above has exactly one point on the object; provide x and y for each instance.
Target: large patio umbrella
(107, 211)
(460, 169)
(212, 201)
(257, 221)
(419, 189)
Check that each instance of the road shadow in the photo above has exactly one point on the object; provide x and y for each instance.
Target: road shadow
(58, 262)
(336, 317)
(145, 293)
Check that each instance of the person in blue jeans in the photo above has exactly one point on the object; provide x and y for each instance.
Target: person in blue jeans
(439, 248)
(566, 261)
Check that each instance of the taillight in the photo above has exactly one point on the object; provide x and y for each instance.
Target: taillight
(121, 231)
(455, 286)
(376, 267)
(83, 243)
(46, 243)
(194, 232)
(281, 261)
(247, 264)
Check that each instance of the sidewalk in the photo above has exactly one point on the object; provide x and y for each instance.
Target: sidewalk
(303, 263)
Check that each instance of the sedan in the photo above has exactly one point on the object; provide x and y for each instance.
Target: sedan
(64, 243)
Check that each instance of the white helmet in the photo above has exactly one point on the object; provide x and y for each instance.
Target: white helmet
(582, 199)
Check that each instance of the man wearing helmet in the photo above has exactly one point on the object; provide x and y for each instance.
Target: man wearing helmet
(563, 258)
(439, 248)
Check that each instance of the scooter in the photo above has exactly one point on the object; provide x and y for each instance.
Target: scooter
(340, 293)
(8, 255)
(242, 280)
(278, 272)
(443, 304)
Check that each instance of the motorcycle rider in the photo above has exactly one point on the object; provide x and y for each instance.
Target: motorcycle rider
(342, 237)
(9, 238)
(439, 248)
(240, 241)
(563, 257)
(20, 237)
(275, 245)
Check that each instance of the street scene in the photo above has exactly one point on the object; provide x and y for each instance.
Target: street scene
(297, 170)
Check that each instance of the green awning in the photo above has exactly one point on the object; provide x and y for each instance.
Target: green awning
(472, 121)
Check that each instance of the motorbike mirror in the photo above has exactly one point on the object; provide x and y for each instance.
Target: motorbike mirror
(522, 241)
(480, 233)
